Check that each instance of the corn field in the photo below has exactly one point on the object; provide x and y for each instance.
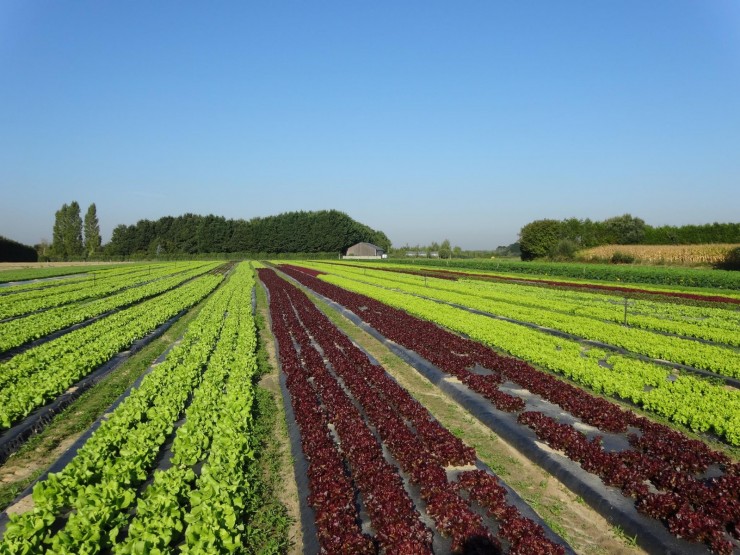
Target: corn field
(662, 254)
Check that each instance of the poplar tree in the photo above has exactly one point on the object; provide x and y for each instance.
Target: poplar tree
(92, 231)
(57, 239)
(73, 235)
(67, 233)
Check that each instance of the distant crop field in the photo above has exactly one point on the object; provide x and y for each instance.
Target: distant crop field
(20, 271)
(662, 254)
(43, 265)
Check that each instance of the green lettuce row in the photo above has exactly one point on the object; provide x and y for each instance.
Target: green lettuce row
(224, 500)
(502, 272)
(648, 314)
(57, 292)
(719, 325)
(40, 357)
(712, 324)
(42, 273)
(31, 379)
(22, 330)
(44, 288)
(85, 271)
(680, 277)
(17, 305)
(580, 301)
(160, 512)
(698, 404)
(721, 360)
(99, 485)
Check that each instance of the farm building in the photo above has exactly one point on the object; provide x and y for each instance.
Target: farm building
(365, 250)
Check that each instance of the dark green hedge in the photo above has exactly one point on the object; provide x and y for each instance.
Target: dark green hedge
(13, 251)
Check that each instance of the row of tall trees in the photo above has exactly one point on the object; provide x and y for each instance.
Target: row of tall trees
(69, 238)
(291, 232)
(561, 238)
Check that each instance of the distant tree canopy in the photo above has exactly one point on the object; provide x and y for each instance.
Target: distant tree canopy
(508, 250)
(552, 237)
(307, 232)
(433, 250)
(13, 251)
(692, 234)
(538, 238)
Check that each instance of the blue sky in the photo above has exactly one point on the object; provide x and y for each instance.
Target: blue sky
(427, 120)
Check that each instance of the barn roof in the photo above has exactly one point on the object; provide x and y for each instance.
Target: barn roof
(376, 247)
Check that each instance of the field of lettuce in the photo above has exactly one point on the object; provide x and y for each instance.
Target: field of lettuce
(599, 419)
(625, 395)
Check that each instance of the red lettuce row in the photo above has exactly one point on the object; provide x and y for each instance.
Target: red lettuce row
(675, 448)
(660, 455)
(456, 355)
(392, 514)
(379, 388)
(419, 443)
(391, 511)
(308, 271)
(332, 493)
(452, 515)
(453, 519)
(523, 535)
(693, 509)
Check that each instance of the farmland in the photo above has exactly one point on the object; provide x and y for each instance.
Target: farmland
(628, 403)
(662, 254)
(644, 456)
(195, 407)
(627, 275)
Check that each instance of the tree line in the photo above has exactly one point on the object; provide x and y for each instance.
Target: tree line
(433, 250)
(562, 238)
(291, 232)
(446, 250)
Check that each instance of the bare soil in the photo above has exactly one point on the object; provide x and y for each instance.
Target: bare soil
(13, 471)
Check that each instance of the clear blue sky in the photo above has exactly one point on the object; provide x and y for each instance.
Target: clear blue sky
(427, 120)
